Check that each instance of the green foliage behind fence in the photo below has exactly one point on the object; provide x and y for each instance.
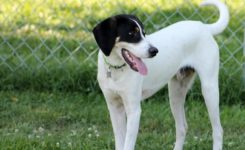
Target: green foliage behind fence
(48, 45)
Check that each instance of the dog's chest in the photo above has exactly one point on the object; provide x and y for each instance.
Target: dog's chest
(112, 80)
(119, 80)
(113, 86)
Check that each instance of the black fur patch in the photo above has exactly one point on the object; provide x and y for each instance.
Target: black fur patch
(184, 72)
(105, 35)
(121, 26)
(187, 70)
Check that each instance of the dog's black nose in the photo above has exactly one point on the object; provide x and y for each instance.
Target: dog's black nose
(153, 51)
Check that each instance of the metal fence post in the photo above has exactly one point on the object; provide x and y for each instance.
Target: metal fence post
(243, 76)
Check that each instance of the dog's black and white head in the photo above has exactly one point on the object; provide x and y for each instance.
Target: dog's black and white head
(125, 35)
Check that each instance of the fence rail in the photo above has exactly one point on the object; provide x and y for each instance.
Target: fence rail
(49, 34)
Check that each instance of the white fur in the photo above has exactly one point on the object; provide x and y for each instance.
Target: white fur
(186, 43)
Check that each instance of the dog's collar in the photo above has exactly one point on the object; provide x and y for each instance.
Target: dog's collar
(113, 66)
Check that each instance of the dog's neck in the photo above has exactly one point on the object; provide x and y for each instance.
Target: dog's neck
(114, 65)
(114, 61)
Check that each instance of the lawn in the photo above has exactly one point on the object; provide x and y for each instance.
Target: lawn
(55, 120)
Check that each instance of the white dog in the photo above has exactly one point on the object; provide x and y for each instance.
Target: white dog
(127, 76)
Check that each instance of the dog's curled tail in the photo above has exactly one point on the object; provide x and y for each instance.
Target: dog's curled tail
(223, 21)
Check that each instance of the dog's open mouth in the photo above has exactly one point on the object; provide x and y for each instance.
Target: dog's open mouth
(134, 62)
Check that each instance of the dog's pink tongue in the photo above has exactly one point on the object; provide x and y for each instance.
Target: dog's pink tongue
(141, 67)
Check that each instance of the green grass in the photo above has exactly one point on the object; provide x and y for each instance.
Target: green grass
(55, 120)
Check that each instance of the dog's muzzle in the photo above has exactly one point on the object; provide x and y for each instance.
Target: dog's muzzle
(152, 51)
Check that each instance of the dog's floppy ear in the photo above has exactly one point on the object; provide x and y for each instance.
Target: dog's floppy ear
(105, 35)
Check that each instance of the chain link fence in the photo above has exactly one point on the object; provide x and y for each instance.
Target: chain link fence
(56, 34)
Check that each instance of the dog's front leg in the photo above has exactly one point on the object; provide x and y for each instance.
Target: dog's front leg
(133, 111)
(118, 118)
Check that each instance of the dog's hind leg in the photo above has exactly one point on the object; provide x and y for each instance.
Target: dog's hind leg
(178, 88)
(210, 91)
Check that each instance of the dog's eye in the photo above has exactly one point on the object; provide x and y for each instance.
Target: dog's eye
(137, 29)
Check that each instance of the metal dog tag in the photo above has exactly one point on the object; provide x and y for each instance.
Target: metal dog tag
(108, 74)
